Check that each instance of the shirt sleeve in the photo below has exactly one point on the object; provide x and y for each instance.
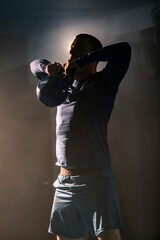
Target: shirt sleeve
(38, 68)
(117, 57)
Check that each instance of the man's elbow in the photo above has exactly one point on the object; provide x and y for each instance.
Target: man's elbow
(127, 51)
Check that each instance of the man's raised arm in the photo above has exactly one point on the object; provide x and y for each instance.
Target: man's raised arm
(116, 55)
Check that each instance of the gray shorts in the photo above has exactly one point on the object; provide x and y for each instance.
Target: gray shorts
(85, 202)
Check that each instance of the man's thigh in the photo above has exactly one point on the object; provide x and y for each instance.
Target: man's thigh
(106, 235)
(110, 235)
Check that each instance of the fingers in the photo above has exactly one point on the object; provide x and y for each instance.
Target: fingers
(55, 69)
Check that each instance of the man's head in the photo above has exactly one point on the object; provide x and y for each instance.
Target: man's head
(83, 44)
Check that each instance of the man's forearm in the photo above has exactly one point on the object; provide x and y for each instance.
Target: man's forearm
(117, 53)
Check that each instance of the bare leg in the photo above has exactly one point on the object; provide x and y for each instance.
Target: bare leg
(64, 238)
(110, 235)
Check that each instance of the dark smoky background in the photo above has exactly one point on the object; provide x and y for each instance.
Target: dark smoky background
(45, 29)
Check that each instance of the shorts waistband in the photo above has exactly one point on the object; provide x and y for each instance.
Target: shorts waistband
(78, 171)
(83, 179)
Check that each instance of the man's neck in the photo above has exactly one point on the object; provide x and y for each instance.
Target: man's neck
(83, 75)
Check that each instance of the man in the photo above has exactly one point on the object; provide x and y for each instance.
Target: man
(86, 195)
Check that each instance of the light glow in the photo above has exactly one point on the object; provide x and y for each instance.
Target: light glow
(69, 45)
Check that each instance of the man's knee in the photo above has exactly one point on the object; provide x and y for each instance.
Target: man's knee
(110, 235)
(65, 238)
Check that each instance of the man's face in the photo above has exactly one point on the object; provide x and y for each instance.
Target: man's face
(79, 47)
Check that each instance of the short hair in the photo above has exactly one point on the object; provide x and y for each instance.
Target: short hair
(94, 42)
